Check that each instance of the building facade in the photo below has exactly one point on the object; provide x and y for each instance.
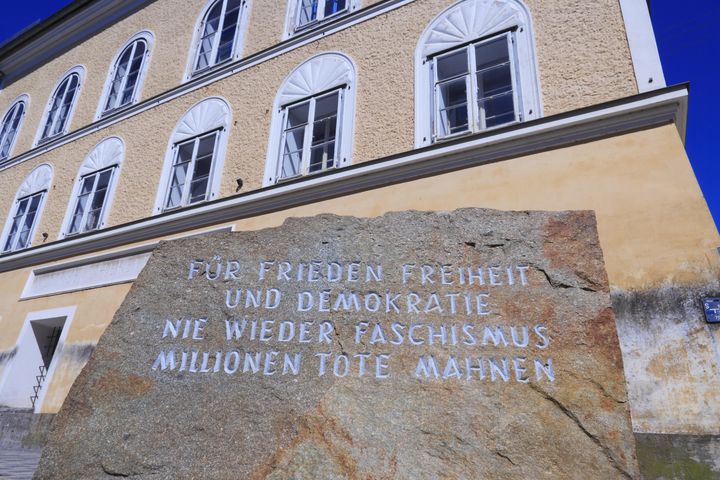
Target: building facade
(125, 123)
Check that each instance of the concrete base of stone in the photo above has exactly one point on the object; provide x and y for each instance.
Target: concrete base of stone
(678, 457)
(23, 429)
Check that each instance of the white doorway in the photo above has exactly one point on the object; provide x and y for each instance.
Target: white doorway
(37, 353)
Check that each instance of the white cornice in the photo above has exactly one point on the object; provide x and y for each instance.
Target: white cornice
(661, 107)
(64, 35)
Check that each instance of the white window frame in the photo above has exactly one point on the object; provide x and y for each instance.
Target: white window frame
(22, 99)
(78, 70)
(39, 180)
(292, 17)
(109, 153)
(149, 38)
(318, 75)
(209, 115)
(308, 134)
(476, 121)
(473, 21)
(238, 45)
(190, 174)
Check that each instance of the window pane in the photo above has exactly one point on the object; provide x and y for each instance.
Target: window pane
(298, 115)
(498, 110)
(334, 6)
(176, 185)
(452, 65)
(133, 73)
(452, 100)
(308, 12)
(492, 53)
(207, 39)
(64, 111)
(322, 157)
(54, 108)
(322, 151)
(201, 173)
(185, 152)
(98, 201)
(17, 221)
(494, 83)
(28, 222)
(295, 123)
(9, 128)
(81, 205)
(227, 38)
(292, 153)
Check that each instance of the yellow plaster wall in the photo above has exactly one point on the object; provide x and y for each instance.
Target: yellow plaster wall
(379, 130)
(95, 309)
(578, 43)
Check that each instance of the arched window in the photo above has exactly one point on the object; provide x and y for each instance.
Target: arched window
(94, 188)
(313, 115)
(475, 70)
(304, 14)
(219, 34)
(195, 155)
(26, 208)
(127, 73)
(11, 125)
(61, 105)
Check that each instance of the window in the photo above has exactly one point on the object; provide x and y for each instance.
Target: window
(26, 209)
(195, 156)
(10, 126)
(218, 34)
(190, 177)
(91, 202)
(23, 222)
(312, 11)
(305, 14)
(60, 108)
(475, 87)
(309, 136)
(95, 188)
(126, 76)
(475, 70)
(313, 119)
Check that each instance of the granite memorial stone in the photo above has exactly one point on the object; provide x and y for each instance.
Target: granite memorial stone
(475, 344)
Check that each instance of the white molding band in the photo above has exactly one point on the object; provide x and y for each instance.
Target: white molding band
(99, 274)
(213, 75)
(643, 47)
(614, 118)
(96, 271)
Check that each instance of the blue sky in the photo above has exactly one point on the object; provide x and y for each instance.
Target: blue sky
(689, 50)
